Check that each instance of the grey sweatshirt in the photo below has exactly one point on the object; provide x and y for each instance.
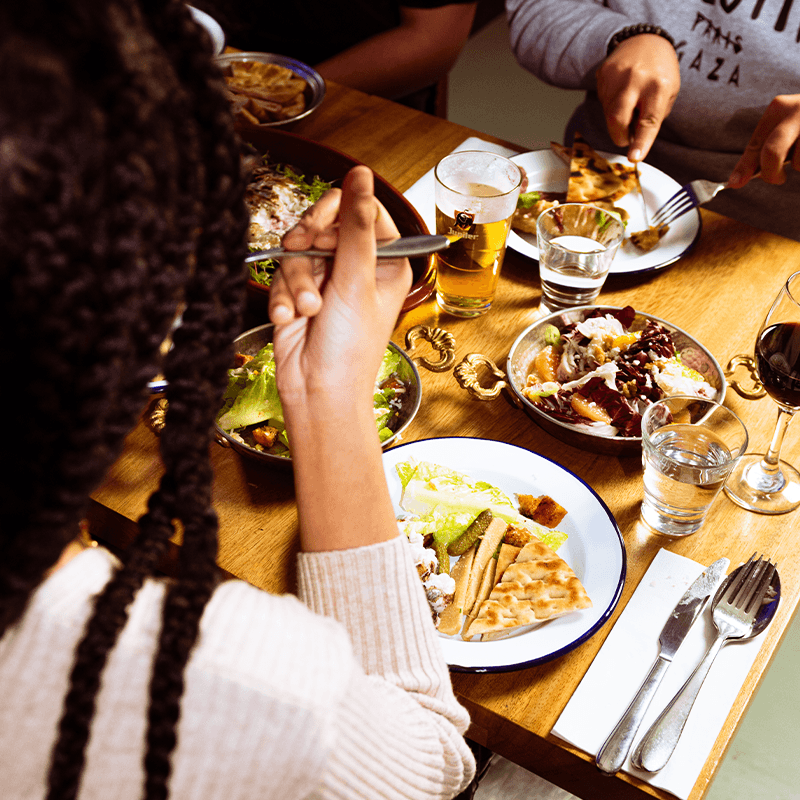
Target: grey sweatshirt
(735, 56)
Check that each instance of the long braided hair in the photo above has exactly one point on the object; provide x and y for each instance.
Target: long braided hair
(121, 200)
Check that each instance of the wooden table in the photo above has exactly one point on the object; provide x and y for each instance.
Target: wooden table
(719, 294)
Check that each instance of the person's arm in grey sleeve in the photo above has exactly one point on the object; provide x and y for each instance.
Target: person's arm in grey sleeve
(562, 42)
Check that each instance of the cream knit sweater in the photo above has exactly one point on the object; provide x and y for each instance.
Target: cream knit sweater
(343, 695)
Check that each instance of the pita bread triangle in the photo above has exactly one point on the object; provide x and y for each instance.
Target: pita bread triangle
(592, 177)
(538, 586)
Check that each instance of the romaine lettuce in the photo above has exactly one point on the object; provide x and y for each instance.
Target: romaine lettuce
(252, 393)
(445, 502)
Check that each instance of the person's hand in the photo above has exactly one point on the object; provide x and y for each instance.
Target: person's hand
(641, 75)
(769, 146)
(332, 325)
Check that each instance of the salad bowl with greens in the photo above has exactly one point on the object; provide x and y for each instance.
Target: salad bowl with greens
(312, 167)
(251, 402)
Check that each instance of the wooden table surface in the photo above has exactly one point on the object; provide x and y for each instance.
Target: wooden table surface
(718, 293)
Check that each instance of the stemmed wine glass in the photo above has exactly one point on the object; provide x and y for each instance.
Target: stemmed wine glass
(762, 482)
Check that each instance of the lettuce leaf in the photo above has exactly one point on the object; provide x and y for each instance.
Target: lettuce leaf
(445, 502)
(390, 364)
(252, 393)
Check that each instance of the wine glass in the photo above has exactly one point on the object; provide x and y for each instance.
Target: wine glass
(762, 482)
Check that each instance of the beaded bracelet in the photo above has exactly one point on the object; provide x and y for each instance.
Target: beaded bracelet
(635, 30)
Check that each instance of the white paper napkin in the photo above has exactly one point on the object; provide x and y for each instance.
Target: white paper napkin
(625, 659)
(420, 195)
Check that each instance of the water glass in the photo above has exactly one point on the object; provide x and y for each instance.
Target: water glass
(476, 196)
(577, 243)
(689, 447)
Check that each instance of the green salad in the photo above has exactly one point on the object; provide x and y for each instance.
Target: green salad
(252, 412)
(443, 502)
(268, 179)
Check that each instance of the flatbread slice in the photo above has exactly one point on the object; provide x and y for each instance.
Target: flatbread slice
(487, 582)
(450, 618)
(538, 586)
(492, 537)
(592, 177)
(507, 556)
(563, 152)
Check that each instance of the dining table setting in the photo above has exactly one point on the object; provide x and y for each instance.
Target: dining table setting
(583, 700)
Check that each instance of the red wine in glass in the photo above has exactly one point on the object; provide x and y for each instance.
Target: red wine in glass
(762, 482)
(778, 362)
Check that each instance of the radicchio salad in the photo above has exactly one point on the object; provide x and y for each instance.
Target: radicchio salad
(599, 373)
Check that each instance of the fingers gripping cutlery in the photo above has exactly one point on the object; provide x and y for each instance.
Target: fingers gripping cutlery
(614, 751)
(734, 610)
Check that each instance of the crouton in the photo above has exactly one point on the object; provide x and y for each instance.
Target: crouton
(548, 512)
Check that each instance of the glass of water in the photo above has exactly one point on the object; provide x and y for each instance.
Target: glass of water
(577, 243)
(689, 447)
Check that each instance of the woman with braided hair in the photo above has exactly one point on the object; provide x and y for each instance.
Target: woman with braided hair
(121, 205)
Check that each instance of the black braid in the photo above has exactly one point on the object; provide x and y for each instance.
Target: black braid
(120, 193)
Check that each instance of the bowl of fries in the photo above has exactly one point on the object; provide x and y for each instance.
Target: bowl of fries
(268, 90)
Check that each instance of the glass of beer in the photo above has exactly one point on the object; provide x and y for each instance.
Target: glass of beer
(476, 195)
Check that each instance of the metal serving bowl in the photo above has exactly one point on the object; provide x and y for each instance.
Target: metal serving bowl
(531, 341)
(250, 342)
(315, 84)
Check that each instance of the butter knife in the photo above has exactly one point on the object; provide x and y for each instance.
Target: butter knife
(615, 750)
(405, 247)
(641, 194)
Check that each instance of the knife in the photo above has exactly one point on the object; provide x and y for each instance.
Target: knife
(641, 193)
(615, 750)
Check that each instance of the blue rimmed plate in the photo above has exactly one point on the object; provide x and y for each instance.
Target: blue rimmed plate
(547, 172)
(595, 549)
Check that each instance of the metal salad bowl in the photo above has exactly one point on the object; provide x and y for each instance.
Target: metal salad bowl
(530, 342)
(251, 341)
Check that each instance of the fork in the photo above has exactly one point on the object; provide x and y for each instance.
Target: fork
(734, 614)
(690, 196)
(685, 199)
(405, 247)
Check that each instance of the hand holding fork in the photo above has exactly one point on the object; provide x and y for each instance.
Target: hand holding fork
(690, 196)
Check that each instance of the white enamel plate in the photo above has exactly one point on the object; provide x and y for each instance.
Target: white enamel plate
(595, 549)
(547, 172)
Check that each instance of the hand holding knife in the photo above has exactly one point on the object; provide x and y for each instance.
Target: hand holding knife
(615, 750)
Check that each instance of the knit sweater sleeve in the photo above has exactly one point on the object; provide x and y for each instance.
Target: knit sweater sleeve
(400, 728)
(562, 42)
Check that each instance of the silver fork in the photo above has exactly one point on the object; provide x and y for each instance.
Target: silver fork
(685, 199)
(690, 196)
(734, 613)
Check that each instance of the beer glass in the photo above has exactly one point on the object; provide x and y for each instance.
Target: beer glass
(476, 195)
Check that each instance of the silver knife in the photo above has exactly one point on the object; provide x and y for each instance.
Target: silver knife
(613, 753)
(641, 193)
